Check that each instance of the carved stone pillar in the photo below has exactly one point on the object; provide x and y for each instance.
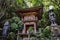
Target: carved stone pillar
(35, 28)
(24, 29)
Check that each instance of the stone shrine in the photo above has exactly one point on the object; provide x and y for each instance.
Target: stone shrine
(30, 17)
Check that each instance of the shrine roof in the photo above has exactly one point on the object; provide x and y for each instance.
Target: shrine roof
(37, 11)
(32, 9)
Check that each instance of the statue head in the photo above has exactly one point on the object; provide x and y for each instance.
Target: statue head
(51, 7)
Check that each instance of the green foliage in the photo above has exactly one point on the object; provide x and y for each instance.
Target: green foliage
(44, 33)
(30, 30)
(47, 32)
(16, 23)
(32, 38)
(11, 36)
(21, 4)
(57, 13)
(16, 19)
(14, 26)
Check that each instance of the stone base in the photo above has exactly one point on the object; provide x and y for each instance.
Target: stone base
(55, 32)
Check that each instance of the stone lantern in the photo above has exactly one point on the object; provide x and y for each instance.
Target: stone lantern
(54, 27)
(52, 16)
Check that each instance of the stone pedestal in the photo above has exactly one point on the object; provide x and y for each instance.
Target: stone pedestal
(55, 32)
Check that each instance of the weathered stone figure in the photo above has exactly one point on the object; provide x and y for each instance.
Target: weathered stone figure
(5, 29)
(52, 16)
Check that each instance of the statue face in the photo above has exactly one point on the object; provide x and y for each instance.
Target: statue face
(52, 18)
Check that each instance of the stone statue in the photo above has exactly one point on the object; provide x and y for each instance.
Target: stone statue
(5, 28)
(52, 16)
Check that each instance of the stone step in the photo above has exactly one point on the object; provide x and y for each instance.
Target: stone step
(2, 38)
